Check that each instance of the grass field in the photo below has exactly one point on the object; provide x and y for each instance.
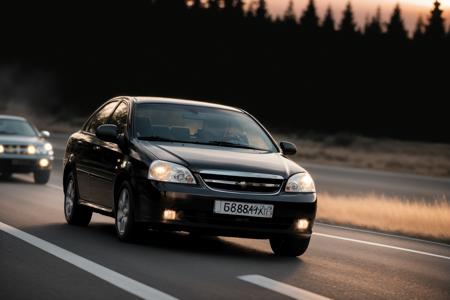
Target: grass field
(428, 220)
(381, 153)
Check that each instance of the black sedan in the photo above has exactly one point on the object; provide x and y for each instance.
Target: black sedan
(182, 165)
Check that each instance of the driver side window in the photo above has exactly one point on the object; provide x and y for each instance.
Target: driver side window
(101, 117)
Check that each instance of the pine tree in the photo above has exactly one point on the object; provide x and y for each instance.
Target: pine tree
(435, 28)
(367, 24)
(374, 28)
(309, 21)
(214, 5)
(419, 31)
(261, 10)
(396, 27)
(328, 25)
(251, 11)
(197, 4)
(348, 26)
(228, 4)
(239, 8)
(289, 15)
(228, 7)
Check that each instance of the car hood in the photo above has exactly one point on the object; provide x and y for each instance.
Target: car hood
(205, 157)
(20, 140)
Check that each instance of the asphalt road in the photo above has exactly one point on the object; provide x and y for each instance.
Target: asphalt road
(41, 257)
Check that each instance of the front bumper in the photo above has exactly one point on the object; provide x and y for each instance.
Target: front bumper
(195, 210)
(24, 164)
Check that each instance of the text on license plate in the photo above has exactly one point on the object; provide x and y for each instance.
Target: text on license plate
(243, 209)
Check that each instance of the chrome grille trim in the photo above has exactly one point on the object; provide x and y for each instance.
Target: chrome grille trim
(15, 149)
(241, 183)
(241, 174)
(237, 182)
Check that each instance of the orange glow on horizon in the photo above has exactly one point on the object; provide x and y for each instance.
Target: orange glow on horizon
(411, 9)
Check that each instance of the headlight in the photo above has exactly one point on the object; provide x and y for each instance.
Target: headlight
(300, 183)
(31, 149)
(169, 172)
(48, 147)
(2, 149)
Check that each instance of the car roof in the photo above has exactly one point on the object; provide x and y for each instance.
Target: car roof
(10, 117)
(182, 102)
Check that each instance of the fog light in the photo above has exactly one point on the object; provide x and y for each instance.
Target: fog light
(169, 215)
(43, 163)
(302, 224)
(2, 149)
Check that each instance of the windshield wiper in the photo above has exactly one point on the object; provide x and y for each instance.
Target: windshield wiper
(234, 145)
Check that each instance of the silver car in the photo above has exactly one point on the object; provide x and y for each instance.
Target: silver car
(23, 149)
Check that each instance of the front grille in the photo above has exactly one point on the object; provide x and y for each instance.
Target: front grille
(242, 182)
(15, 149)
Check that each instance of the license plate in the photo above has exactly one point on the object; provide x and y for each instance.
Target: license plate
(243, 209)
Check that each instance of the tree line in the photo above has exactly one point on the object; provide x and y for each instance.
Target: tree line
(295, 73)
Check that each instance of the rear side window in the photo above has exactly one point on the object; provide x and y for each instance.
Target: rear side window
(120, 117)
(101, 117)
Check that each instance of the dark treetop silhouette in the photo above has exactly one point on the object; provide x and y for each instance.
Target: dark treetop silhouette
(296, 73)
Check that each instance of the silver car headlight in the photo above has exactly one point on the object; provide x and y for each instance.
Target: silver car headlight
(31, 149)
(169, 172)
(46, 148)
(300, 183)
(2, 149)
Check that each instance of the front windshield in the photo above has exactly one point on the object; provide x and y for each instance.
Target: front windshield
(199, 125)
(16, 127)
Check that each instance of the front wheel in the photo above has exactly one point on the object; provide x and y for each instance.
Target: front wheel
(126, 227)
(75, 213)
(290, 246)
(41, 177)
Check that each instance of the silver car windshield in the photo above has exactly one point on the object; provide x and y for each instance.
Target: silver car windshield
(16, 127)
(200, 125)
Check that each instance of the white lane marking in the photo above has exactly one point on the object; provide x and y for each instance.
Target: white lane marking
(54, 186)
(382, 234)
(380, 245)
(130, 285)
(282, 288)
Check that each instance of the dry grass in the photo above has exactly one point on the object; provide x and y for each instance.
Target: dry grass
(382, 154)
(429, 220)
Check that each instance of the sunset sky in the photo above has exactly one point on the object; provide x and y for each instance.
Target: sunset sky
(411, 8)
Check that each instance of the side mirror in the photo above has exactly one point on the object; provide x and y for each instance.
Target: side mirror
(107, 133)
(44, 134)
(288, 148)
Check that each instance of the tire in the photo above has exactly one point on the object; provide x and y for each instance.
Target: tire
(41, 177)
(126, 227)
(289, 246)
(75, 213)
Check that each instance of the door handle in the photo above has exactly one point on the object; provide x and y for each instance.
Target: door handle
(96, 148)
